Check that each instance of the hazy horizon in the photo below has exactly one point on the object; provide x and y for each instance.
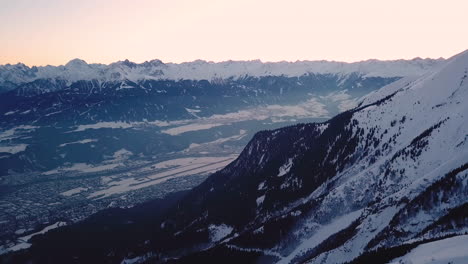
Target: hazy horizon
(221, 61)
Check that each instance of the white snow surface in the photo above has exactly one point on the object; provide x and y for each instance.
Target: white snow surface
(283, 170)
(83, 167)
(165, 170)
(15, 132)
(22, 242)
(260, 200)
(13, 149)
(322, 233)
(74, 191)
(103, 125)
(84, 141)
(452, 250)
(188, 128)
(218, 232)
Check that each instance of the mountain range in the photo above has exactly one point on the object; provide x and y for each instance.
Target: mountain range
(384, 179)
(12, 76)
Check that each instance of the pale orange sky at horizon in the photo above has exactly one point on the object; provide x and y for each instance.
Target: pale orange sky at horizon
(52, 32)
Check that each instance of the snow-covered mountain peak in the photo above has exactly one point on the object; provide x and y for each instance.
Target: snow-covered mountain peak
(125, 63)
(76, 63)
(153, 63)
(78, 69)
(438, 79)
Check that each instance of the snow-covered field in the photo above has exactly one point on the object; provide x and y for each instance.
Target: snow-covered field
(310, 108)
(22, 242)
(84, 141)
(103, 125)
(74, 191)
(13, 149)
(191, 127)
(168, 170)
(15, 132)
(83, 167)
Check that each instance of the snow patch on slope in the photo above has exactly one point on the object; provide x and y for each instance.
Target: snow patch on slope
(284, 169)
(218, 232)
(452, 250)
(321, 234)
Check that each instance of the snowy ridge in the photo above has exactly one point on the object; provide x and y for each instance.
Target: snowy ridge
(424, 126)
(77, 69)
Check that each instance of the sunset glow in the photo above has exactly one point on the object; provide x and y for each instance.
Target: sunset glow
(41, 32)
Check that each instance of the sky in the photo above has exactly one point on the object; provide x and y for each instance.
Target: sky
(52, 32)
